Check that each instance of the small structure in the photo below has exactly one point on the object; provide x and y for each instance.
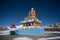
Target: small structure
(12, 32)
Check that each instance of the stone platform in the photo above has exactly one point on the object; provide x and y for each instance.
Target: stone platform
(30, 31)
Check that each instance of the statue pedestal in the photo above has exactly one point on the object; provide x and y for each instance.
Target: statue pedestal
(30, 31)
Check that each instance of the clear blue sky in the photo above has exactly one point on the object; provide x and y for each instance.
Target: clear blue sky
(14, 11)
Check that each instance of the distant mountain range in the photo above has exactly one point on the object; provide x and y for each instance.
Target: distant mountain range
(2, 28)
(56, 25)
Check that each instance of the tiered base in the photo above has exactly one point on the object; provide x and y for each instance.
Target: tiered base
(30, 31)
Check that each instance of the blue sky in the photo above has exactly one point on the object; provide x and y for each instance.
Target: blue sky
(14, 11)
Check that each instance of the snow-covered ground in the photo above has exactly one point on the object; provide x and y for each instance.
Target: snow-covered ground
(50, 38)
(22, 38)
(26, 38)
(52, 32)
(6, 32)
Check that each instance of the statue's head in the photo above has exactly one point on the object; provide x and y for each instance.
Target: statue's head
(32, 8)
